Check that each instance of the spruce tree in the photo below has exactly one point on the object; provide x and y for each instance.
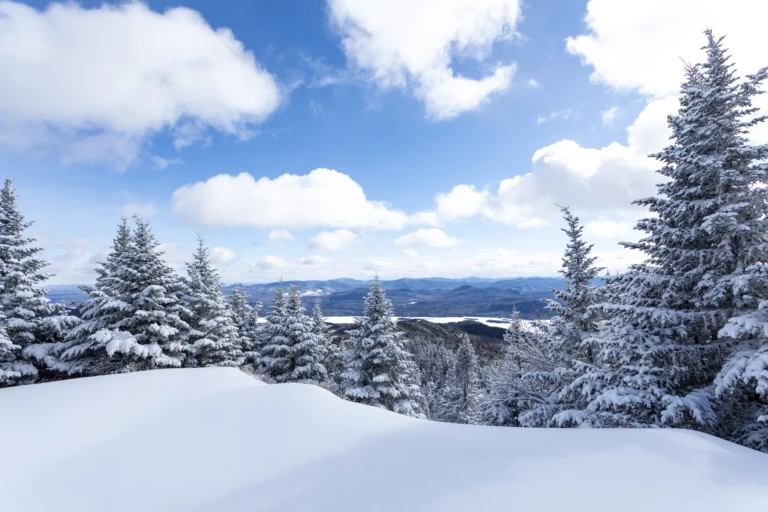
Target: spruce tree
(379, 370)
(246, 319)
(214, 337)
(658, 357)
(574, 317)
(462, 395)
(275, 363)
(30, 325)
(135, 318)
(306, 344)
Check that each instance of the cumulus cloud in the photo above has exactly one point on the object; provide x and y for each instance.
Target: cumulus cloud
(222, 254)
(622, 56)
(432, 237)
(607, 229)
(269, 263)
(143, 210)
(339, 240)
(587, 179)
(94, 84)
(411, 45)
(322, 198)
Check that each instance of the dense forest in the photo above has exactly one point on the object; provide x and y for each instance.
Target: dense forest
(680, 340)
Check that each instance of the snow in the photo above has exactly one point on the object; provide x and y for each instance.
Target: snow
(217, 440)
(501, 323)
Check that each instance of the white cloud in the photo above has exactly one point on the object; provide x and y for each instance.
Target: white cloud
(532, 83)
(143, 210)
(565, 173)
(313, 260)
(607, 229)
(411, 45)
(162, 163)
(558, 114)
(270, 263)
(94, 84)
(622, 55)
(322, 198)
(222, 254)
(461, 202)
(411, 253)
(339, 240)
(609, 115)
(432, 237)
(277, 235)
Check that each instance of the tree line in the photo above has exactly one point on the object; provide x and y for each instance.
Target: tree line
(680, 340)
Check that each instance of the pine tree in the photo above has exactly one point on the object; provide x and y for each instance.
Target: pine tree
(135, 318)
(332, 354)
(246, 319)
(660, 352)
(214, 337)
(306, 344)
(30, 325)
(379, 371)
(462, 395)
(274, 335)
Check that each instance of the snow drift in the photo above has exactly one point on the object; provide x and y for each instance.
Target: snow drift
(214, 440)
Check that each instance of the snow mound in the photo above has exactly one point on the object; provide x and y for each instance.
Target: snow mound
(217, 440)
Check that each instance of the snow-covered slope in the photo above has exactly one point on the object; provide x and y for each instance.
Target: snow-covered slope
(216, 440)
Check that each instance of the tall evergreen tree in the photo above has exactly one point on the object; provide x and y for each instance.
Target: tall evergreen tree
(275, 363)
(246, 319)
(462, 395)
(660, 352)
(379, 371)
(306, 344)
(135, 318)
(574, 317)
(214, 337)
(30, 325)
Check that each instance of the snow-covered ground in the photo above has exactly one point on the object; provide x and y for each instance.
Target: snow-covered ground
(216, 440)
(502, 323)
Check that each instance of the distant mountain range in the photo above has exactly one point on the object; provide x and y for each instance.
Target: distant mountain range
(435, 296)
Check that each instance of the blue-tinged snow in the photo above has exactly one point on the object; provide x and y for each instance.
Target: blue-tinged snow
(217, 440)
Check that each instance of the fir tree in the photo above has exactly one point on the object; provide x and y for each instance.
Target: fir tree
(135, 318)
(332, 356)
(379, 371)
(462, 395)
(214, 337)
(30, 325)
(574, 317)
(246, 319)
(306, 344)
(659, 354)
(275, 363)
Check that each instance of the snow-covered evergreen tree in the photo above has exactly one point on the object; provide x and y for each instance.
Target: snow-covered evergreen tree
(379, 371)
(134, 318)
(214, 337)
(307, 345)
(30, 325)
(274, 335)
(524, 386)
(332, 353)
(246, 319)
(574, 317)
(659, 354)
(462, 395)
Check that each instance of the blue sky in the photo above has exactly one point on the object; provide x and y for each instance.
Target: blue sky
(452, 127)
